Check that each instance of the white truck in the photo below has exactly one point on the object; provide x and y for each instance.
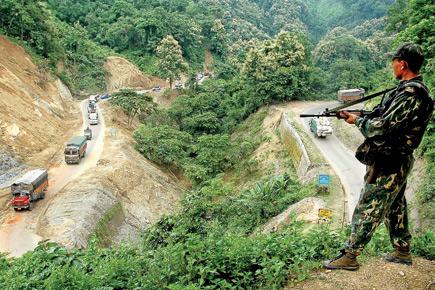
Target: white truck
(93, 118)
(320, 126)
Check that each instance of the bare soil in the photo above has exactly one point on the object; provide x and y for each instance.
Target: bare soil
(36, 109)
(375, 274)
(122, 74)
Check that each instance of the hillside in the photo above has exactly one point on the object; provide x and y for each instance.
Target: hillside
(210, 183)
(35, 109)
(37, 116)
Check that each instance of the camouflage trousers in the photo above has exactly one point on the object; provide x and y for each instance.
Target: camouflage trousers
(382, 198)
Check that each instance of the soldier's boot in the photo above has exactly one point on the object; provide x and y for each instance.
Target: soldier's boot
(400, 255)
(344, 261)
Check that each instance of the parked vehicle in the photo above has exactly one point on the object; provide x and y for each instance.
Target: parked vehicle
(105, 96)
(75, 149)
(156, 89)
(29, 188)
(321, 127)
(93, 118)
(88, 133)
(178, 85)
(350, 95)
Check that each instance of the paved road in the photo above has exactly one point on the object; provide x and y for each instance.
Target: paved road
(18, 234)
(342, 160)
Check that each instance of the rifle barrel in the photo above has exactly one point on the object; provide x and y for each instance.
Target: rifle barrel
(316, 115)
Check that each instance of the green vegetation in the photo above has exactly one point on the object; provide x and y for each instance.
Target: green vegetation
(104, 231)
(67, 49)
(171, 63)
(133, 104)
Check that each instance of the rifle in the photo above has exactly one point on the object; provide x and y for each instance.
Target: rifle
(335, 112)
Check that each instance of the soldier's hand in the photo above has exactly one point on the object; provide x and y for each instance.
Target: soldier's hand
(348, 117)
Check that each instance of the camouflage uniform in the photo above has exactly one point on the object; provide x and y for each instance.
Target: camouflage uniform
(392, 131)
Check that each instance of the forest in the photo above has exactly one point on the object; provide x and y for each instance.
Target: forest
(265, 52)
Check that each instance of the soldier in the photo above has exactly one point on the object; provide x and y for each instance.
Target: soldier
(392, 132)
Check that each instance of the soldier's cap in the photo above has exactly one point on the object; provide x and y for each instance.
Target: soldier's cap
(411, 53)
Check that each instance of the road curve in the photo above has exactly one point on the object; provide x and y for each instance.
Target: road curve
(342, 160)
(18, 234)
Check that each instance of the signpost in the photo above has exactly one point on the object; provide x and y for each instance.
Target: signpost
(325, 215)
(323, 183)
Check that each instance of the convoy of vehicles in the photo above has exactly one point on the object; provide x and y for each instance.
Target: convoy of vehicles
(320, 126)
(33, 185)
(75, 149)
(29, 188)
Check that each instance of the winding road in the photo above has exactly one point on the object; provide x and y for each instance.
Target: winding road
(18, 234)
(342, 160)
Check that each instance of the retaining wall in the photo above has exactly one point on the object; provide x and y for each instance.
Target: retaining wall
(294, 145)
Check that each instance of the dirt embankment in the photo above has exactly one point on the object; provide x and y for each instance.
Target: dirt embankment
(35, 108)
(36, 113)
(122, 74)
(124, 193)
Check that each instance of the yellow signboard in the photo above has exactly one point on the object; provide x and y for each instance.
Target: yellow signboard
(325, 213)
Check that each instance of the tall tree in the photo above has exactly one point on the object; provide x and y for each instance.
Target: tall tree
(171, 63)
(132, 103)
(277, 69)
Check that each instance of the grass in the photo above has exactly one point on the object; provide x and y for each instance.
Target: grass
(105, 228)
(251, 132)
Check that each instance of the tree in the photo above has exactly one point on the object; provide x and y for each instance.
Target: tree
(171, 63)
(218, 42)
(163, 144)
(133, 103)
(277, 69)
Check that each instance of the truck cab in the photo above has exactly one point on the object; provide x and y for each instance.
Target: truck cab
(28, 188)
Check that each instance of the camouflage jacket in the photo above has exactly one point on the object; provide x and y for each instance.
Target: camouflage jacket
(397, 125)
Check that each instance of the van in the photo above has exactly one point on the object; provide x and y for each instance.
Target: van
(93, 118)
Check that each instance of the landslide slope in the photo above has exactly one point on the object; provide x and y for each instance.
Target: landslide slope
(35, 108)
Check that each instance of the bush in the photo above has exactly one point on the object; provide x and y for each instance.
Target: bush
(163, 144)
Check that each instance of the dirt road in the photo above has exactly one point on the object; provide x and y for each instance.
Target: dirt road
(18, 233)
(342, 160)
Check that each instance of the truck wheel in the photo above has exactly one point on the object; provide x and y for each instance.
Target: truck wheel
(30, 207)
(42, 196)
(15, 209)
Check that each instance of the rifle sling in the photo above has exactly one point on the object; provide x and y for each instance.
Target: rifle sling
(360, 100)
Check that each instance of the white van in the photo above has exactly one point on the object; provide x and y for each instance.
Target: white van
(93, 118)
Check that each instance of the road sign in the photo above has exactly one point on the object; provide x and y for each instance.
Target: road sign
(325, 213)
(324, 179)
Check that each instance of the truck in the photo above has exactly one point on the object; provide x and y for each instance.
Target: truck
(75, 149)
(87, 133)
(93, 118)
(29, 188)
(94, 98)
(350, 95)
(92, 108)
(320, 126)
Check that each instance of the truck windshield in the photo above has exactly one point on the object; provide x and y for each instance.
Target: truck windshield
(69, 151)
